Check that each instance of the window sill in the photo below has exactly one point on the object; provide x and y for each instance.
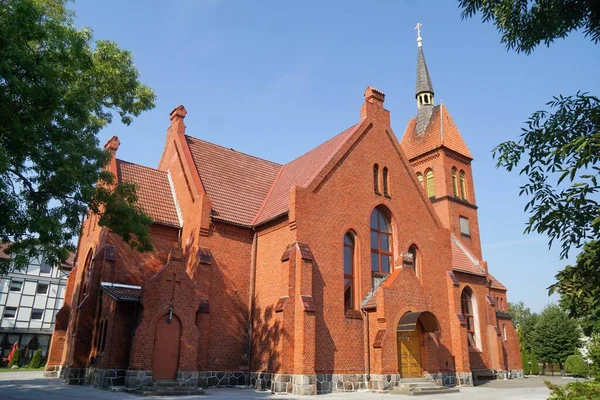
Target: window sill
(377, 192)
(474, 350)
(388, 196)
(465, 235)
(353, 314)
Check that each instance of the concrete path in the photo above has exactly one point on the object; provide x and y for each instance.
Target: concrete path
(32, 386)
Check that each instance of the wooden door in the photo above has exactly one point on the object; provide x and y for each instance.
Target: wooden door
(409, 354)
(166, 349)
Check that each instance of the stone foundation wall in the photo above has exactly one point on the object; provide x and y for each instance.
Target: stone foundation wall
(136, 379)
(491, 374)
(74, 376)
(222, 378)
(331, 383)
(105, 378)
(53, 371)
(303, 385)
(451, 379)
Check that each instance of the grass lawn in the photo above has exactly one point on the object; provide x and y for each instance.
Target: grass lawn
(22, 369)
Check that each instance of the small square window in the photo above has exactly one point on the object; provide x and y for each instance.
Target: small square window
(464, 226)
(9, 312)
(37, 313)
(45, 268)
(42, 288)
(16, 286)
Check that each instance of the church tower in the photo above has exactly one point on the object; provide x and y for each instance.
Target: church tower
(442, 160)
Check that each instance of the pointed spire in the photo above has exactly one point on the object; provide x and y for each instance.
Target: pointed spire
(423, 80)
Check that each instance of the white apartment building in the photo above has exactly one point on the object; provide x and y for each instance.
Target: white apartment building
(29, 301)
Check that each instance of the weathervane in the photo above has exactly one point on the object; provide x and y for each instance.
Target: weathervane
(418, 28)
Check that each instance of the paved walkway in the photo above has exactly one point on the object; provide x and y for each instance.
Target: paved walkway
(32, 386)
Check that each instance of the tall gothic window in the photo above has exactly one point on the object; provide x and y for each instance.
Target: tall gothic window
(385, 182)
(468, 313)
(381, 242)
(430, 185)
(463, 186)
(455, 182)
(85, 279)
(413, 250)
(376, 178)
(420, 178)
(349, 246)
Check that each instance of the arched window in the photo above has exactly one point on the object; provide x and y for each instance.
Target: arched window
(430, 186)
(504, 333)
(385, 182)
(455, 182)
(463, 186)
(349, 246)
(420, 178)
(376, 178)
(415, 256)
(468, 312)
(381, 242)
(85, 279)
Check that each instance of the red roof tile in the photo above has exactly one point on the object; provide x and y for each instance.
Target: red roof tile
(440, 132)
(300, 172)
(496, 283)
(236, 183)
(153, 191)
(463, 260)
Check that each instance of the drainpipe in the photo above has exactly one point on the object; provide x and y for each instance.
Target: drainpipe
(251, 298)
(367, 345)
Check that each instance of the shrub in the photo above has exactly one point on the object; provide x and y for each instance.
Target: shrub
(36, 361)
(15, 358)
(576, 365)
(574, 391)
(525, 362)
(594, 355)
(535, 365)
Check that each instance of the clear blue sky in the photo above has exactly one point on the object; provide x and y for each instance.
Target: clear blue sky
(276, 78)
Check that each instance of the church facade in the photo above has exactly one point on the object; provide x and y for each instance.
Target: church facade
(354, 266)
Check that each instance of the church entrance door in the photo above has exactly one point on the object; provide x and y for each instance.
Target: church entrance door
(409, 354)
(166, 348)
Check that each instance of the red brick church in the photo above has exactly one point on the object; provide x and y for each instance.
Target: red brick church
(354, 266)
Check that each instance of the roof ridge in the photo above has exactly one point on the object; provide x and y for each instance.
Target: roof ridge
(230, 148)
(262, 206)
(140, 165)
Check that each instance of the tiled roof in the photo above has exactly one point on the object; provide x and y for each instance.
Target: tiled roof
(440, 132)
(121, 292)
(153, 191)
(236, 183)
(463, 260)
(423, 80)
(496, 283)
(300, 172)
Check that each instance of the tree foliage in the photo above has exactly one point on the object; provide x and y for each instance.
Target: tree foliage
(15, 358)
(579, 287)
(524, 24)
(593, 354)
(555, 336)
(576, 365)
(518, 312)
(574, 391)
(37, 359)
(58, 88)
(535, 365)
(525, 362)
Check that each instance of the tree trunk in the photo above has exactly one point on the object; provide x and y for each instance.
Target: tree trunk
(562, 370)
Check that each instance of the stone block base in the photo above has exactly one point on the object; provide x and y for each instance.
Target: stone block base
(261, 380)
(331, 383)
(222, 378)
(136, 379)
(105, 378)
(451, 379)
(74, 376)
(482, 375)
(383, 382)
(302, 385)
(52, 371)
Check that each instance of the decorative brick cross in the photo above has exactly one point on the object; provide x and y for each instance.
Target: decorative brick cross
(174, 280)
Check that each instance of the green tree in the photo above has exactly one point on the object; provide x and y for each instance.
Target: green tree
(58, 88)
(535, 365)
(526, 331)
(525, 362)
(15, 358)
(555, 336)
(524, 24)
(593, 353)
(518, 312)
(37, 359)
(579, 287)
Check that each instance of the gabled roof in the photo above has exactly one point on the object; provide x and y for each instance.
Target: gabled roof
(463, 260)
(496, 283)
(440, 132)
(236, 183)
(300, 172)
(153, 190)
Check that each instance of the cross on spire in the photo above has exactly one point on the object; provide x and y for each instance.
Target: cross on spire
(418, 29)
(174, 280)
